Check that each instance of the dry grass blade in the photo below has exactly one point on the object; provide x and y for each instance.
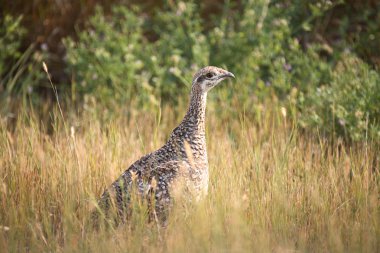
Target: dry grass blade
(268, 192)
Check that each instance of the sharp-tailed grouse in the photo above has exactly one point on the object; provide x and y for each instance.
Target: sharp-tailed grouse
(179, 164)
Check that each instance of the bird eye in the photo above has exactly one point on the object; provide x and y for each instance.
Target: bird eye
(209, 75)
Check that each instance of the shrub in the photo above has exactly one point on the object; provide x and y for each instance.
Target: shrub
(106, 61)
(19, 70)
(114, 63)
(11, 34)
(348, 105)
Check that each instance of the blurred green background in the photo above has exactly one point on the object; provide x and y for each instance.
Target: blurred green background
(318, 59)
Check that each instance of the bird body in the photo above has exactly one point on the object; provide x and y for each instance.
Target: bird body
(178, 167)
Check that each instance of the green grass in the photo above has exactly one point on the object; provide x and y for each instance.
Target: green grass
(272, 189)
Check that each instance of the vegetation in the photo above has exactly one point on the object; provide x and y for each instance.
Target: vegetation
(293, 143)
(272, 188)
(113, 59)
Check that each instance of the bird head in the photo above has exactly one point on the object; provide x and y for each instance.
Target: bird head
(208, 77)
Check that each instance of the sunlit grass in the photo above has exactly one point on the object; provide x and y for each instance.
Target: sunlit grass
(271, 187)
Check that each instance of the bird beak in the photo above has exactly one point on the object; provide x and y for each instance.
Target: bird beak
(227, 74)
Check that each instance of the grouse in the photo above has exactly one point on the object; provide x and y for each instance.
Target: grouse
(179, 166)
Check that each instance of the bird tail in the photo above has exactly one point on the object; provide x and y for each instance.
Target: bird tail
(112, 207)
(123, 198)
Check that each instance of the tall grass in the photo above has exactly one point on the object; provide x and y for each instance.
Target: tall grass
(272, 189)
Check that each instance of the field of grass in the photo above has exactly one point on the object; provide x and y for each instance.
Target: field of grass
(272, 189)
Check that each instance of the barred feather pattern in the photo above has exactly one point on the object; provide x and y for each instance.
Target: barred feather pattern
(179, 166)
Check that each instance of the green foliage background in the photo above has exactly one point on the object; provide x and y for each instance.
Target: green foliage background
(126, 58)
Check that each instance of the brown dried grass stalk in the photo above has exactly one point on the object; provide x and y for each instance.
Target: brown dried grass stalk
(271, 189)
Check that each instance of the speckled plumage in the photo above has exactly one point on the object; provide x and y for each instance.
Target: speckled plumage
(179, 165)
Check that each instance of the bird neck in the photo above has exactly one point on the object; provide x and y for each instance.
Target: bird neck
(196, 112)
